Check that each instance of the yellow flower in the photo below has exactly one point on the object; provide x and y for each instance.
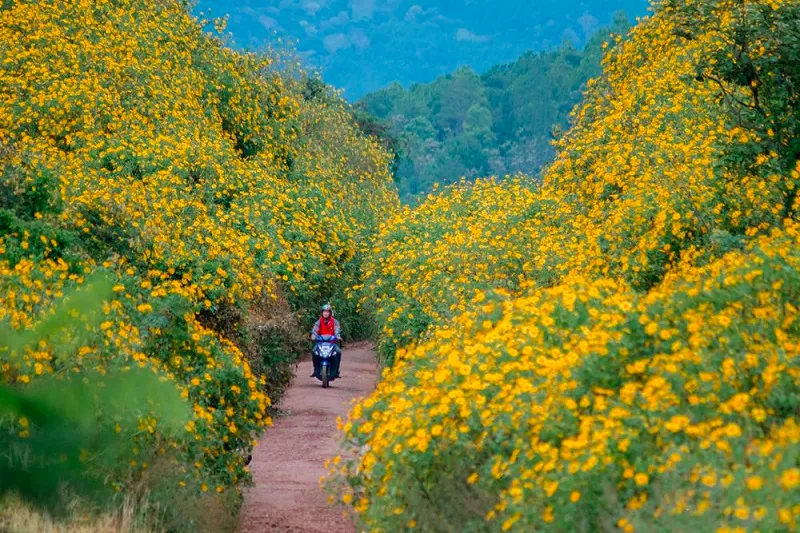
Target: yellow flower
(790, 479)
(754, 483)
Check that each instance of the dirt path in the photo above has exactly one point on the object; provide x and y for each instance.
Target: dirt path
(289, 460)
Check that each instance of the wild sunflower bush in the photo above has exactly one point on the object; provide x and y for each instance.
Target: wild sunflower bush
(219, 196)
(430, 260)
(615, 348)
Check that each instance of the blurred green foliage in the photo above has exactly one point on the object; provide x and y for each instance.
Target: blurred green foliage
(61, 435)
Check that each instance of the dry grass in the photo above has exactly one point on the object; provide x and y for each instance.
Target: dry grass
(18, 517)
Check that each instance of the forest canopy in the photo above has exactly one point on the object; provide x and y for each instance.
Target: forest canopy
(496, 123)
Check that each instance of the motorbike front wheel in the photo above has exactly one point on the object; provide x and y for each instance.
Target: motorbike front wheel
(324, 376)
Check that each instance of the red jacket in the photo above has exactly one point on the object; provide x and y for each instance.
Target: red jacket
(326, 327)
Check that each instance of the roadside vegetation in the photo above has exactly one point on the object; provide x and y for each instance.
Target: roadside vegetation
(615, 349)
(220, 199)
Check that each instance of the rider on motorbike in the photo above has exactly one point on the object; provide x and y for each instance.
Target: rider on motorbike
(327, 325)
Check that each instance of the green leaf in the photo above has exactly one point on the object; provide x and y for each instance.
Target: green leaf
(80, 307)
(67, 427)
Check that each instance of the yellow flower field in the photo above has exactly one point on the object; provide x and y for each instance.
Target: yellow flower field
(221, 199)
(616, 347)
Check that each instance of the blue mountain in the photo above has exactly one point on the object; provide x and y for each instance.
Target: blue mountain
(364, 45)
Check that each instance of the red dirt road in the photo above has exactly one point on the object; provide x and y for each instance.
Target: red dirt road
(289, 460)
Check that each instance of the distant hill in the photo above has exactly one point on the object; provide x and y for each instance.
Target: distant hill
(364, 45)
(500, 122)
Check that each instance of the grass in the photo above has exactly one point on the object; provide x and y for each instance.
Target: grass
(19, 517)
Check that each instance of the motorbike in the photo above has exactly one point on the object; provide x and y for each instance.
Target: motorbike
(327, 357)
